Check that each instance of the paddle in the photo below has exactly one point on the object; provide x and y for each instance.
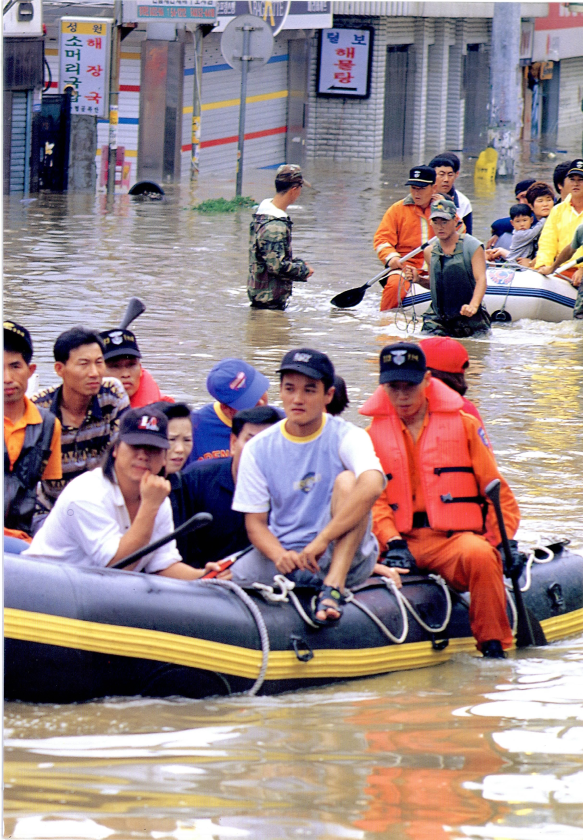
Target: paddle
(199, 520)
(352, 297)
(134, 308)
(528, 629)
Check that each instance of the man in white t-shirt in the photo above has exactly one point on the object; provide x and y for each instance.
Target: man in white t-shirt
(307, 486)
(272, 268)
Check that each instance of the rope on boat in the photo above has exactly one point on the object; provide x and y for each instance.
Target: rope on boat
(513, 610)
(286, 593)
(400, 310)
(439, 580)
(350, 599)
(261, 627)
(532, 558)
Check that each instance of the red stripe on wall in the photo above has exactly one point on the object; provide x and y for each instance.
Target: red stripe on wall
(130, 88)
(253, 135)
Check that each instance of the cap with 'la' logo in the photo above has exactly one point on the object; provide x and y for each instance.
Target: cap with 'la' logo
(144, 427)
(575, 168)
(421, 176)
(402, 362)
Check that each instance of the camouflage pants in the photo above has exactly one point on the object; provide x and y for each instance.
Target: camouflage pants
(458, 327)
(578, 310)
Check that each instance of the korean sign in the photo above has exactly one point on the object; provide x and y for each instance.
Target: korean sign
(201, 11)
(84, 63)
(344, 63)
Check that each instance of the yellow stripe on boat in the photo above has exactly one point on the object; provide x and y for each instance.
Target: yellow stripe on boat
(139, 643)
(160, 646)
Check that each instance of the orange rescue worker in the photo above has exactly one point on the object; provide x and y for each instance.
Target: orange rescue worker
(404, 227)
(433, 511)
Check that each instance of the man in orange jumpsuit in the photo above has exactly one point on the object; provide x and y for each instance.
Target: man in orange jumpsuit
(438, 462)
(404, 227)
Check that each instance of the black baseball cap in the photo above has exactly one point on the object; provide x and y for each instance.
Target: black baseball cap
(402, 362)
(522, 186)
(575, 168)
(144, 427)
(119, 343)
(421, 176)
(19, 335)
(311, 363)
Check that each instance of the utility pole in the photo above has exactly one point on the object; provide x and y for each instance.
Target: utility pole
(505, 80)
(114, 95)
(245, 59)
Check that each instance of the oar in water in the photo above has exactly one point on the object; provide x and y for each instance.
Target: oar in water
(528, 628)
(199, 520)
(134, 308)
(352, 297)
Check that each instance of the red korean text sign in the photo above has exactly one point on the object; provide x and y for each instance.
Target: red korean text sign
(84, 51)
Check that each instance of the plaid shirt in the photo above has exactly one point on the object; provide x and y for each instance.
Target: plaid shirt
(82, 447)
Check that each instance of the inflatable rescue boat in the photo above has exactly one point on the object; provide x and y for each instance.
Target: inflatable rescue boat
(512, 294)
(75, 634)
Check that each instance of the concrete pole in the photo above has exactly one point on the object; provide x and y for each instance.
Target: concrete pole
(505, 81)
(245, 59)
(114, 97)
(196, 104)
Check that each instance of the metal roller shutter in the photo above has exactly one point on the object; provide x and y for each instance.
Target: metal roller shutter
(266, 116)
(570, 98)
(20, 142)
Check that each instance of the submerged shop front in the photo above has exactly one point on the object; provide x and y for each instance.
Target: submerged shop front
(178, 105)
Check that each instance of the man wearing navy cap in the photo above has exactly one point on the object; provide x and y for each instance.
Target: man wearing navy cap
(405, 226)
(123, 361)
(438, 462)
(306, 486)
(235, 385)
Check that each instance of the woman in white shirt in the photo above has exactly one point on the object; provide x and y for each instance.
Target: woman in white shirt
(104, 515)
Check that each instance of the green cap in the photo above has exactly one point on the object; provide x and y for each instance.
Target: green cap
(443, 208)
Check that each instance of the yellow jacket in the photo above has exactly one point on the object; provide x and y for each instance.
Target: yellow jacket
(558, 232)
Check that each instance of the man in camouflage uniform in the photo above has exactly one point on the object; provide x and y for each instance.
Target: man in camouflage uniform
(272, 268)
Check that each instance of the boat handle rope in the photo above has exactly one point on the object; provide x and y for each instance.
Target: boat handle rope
(285, 595)
(351, 599)
(441, 582)
(261, 627)
(532, 558)
(400, 308)
(513, 610)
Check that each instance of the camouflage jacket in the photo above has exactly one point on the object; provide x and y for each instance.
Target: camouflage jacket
(271, 265)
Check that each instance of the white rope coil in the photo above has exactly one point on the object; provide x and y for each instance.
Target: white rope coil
(261, 627)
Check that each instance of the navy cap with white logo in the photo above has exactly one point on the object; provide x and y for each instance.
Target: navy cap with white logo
(421, 176)
(575, 168)
(144, 427)
(311, 363)
(119, 343)
(402, 362)
(236, 383)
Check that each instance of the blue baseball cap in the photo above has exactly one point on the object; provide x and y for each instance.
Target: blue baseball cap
(236, 384)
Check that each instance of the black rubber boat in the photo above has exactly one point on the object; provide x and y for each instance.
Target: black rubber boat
(75, 634)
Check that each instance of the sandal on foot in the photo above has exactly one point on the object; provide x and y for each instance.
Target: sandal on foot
(327, 593)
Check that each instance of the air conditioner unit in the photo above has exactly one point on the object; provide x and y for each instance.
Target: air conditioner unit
(23, 18)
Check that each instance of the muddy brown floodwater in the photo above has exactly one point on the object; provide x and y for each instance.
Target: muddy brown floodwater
(468, 749)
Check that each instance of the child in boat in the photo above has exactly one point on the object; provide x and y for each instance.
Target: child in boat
(105, 515)
(525, 231)
(32, 440)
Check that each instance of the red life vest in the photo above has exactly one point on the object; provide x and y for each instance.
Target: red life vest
(451, 492)
(148, 392)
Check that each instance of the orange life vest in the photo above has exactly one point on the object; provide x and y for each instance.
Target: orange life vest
(450, 488)
(148, 392)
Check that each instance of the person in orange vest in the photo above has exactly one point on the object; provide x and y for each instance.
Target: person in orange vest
(433, 511)
(404, 227)
(123, 361)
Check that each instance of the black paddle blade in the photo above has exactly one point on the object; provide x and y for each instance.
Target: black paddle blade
(531, 633)
(134, 308)
(351, 297)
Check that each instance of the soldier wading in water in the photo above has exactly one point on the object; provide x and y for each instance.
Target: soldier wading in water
(272, 268)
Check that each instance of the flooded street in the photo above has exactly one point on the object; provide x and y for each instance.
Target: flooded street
(468, 749)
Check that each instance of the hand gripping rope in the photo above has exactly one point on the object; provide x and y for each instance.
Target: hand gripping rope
(262, 629)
